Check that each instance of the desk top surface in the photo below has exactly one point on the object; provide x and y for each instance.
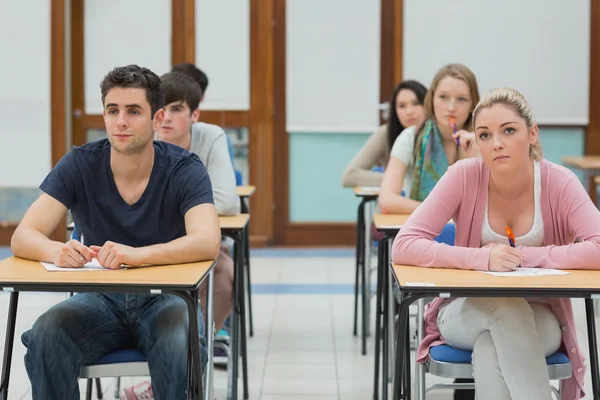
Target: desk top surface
(234, 222)
(411, 276)
(366, 191)
(389, 221)
(245, 191)
(585, 162)
(15, 271)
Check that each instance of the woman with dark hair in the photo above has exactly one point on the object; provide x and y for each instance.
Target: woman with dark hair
(406, 109)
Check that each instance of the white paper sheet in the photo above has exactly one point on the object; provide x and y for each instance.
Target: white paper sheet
(93, 265)
(528, 272)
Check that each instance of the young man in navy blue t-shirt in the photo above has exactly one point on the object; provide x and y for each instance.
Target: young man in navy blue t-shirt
(136, 202)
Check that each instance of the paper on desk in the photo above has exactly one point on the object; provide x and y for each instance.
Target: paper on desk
(529, 272)
(93, 265)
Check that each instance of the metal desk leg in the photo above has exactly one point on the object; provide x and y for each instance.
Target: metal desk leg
(359, 258)
(379, 315)
(209, 328)
(248, 277)
(592, 340)
(8, 344)
(233, 369)
(391, 306)
(401, 349)
(366, 272)
(420, 372)
(387, 339)
(246, 238)
(244, 349)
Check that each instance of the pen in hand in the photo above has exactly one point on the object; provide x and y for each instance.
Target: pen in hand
(511, 239)
(453, 123)
(83, 244)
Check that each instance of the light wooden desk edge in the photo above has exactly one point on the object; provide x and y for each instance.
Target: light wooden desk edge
(234, 221)
(245, 191)
(366, 191)
(389, 221)
(584, 162)
(18, 270)
(409, 276)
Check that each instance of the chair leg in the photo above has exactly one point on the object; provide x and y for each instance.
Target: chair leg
(98, 389)
(88, 389)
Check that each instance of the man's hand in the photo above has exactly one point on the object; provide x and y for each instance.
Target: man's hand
(113, 255)
(73, 255)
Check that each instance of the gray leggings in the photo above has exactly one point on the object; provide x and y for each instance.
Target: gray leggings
(510, 338)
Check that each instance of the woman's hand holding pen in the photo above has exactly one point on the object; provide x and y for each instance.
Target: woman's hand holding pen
(464, 139)
(504, 258)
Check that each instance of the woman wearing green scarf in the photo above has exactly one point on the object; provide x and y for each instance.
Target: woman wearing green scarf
(421, 155)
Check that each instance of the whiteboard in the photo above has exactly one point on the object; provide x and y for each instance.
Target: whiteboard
(539, 47)
(25, 146)
(332, 65)
(119, 33)
(223, 52)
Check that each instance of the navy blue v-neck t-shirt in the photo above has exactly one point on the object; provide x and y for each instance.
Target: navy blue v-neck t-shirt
(83, 181)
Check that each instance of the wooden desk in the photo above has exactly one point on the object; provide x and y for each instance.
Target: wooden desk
(418, 282)
(183, 280)
(590, 165)
(366, 191)
(27, 275)
(234, 222)
(389, 222)
(362, 274)
(235, 227)
(245, 191)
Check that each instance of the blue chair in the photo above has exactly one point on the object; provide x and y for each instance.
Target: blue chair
(448, 362)
(125, 362)
(239, 179)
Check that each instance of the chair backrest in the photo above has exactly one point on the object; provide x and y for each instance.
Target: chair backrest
(447, 235)
(74, 234)
(239, 179)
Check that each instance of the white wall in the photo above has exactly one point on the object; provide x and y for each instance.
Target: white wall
(539, 47)
(119, 33)
(223, 52)
(25, 154)
(332, 65)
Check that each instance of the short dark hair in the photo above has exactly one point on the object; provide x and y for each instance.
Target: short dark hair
(193, 71)
(180, 87)
(133, 76)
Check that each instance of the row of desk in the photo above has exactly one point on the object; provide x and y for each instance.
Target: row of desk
(183, 280)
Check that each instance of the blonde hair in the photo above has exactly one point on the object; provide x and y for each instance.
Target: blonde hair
(515, 100)
(457, 71)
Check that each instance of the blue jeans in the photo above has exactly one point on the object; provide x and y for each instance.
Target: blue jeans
(88, 326)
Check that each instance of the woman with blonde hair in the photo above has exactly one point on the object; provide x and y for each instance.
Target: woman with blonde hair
(422, 154)
(547, 208)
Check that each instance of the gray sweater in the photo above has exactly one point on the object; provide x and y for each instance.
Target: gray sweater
(210, 144)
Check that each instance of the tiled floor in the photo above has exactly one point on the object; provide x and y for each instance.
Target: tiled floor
(303, 347)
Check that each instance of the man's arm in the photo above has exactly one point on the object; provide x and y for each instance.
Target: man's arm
(31, 238)
(201, 243)
(222, 177)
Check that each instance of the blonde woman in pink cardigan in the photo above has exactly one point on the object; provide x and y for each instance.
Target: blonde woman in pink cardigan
(547, 208)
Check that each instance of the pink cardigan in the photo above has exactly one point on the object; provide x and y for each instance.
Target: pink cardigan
(461, 194)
